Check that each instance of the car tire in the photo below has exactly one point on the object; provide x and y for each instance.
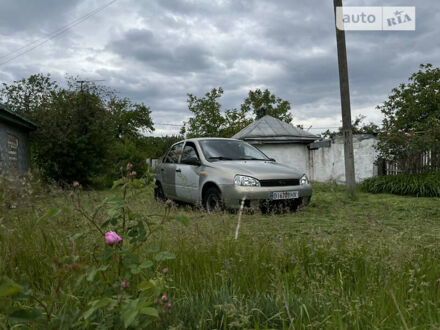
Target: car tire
(212, 200)
(159, 195)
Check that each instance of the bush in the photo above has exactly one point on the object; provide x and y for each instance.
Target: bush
(425, 184)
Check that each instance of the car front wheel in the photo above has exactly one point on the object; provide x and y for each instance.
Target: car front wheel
(212, 200)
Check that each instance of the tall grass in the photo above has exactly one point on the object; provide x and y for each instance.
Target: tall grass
(333, 265)
(420, 184)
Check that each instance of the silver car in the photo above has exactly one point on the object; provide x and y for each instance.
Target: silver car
(224, 173)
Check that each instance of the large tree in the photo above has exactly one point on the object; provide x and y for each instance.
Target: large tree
(275, 106)
(83, 133)
(411, 124)
(210, 120)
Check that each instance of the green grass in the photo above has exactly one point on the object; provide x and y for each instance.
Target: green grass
(335, 264)
(425, 184)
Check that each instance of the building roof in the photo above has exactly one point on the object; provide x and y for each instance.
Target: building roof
(272, 130)
(9, 116)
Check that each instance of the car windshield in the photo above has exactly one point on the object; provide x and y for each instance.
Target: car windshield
(215, 150)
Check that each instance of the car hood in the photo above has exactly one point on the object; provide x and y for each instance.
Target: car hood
(262, 170)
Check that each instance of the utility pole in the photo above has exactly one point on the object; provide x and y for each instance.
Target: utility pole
(350, 181)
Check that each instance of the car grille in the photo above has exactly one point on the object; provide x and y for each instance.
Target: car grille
(279, 182)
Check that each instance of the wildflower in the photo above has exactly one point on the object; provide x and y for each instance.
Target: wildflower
(125, 284)
(388, 133)
(400, 131)
(169, 201)
(164, 297)
(111, 238)
(75, 184)
(169, 306)
(165, 271)
(133, 173)
(129, 166)
(407, 134)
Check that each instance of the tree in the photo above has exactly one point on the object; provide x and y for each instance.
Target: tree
(357, 127)
(83, 134)
(275, 106)
(207, 119)
(411, 124)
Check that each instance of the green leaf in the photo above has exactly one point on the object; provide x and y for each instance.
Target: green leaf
(146, 264)
(164, 255)
(24, 315)
(92, 274)
(50, 213)
(117, 183)
(130, 313)
(8, 287)
(150, 311)
(182, 219)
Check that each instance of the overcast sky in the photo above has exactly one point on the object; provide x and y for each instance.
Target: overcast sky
(158, 51)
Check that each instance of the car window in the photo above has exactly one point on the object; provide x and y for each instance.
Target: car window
(230, 150)
(174, 153)
(189, 154)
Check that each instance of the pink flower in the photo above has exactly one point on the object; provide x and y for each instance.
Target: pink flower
(129, 166)
(400, 131)
(125, 284)
(388, 133)
(165, 271)
(169, 306)
(164, 297)
(75, 184)
(169, 201)
(133, 173)
(111, 238)
(407, 134)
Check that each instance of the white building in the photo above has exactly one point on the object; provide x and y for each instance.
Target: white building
(279, 140)
(322, 161)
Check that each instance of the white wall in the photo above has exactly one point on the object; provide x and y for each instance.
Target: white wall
(295, 155)
(327, 164)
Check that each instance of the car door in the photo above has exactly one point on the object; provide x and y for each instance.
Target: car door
(168, 170)
(188, 174)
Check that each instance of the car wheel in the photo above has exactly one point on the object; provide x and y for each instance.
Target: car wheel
(159, 195)
(212, 200)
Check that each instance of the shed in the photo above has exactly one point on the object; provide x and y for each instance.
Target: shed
(14, 141)
(279, 140)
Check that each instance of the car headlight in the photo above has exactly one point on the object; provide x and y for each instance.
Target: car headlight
(243, 180)
(303, 180)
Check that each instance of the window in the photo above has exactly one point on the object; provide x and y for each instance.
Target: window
(13, 152)
(189, 154)
(230, 150)
(174, 153)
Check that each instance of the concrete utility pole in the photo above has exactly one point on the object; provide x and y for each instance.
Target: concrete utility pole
(350, 181)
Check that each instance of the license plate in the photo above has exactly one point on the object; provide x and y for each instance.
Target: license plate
(276, 195)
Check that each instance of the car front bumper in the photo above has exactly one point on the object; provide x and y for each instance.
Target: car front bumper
(232, 194)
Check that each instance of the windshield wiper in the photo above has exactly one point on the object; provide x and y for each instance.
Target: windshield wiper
(219, 158)
(251, 158)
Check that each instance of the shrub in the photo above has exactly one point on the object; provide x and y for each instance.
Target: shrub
(425, 184)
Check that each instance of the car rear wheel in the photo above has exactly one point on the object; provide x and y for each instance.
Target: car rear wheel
(159, 195)
(212, 200)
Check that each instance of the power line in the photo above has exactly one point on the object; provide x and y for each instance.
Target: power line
(54, 34)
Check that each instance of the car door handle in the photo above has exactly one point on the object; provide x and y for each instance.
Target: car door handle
(179, 170)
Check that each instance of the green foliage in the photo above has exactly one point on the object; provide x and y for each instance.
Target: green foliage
(335, 264)
(83, 134)
(114, 285)
(425, 184)
(208, 118)
(412, 120)
(357, 127)
(275, 106)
